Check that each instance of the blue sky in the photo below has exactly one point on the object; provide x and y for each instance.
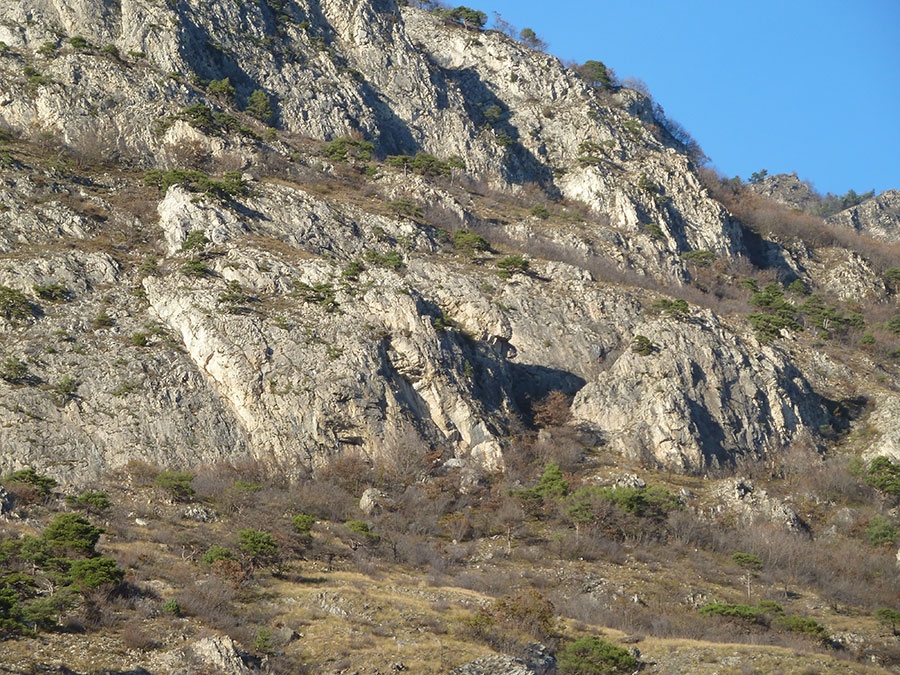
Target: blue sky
(805, 86)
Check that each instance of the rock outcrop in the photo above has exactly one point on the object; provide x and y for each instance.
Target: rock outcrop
(308, 303)
(687, 396)
(404, 79)
(787, 190)
(878, 217)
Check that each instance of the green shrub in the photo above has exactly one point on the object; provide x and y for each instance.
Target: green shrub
(653, 230)
(80, 43)
(829, 318)
(803, 625)
(778, 313)
(93, 501)
(176, 483)
(362, 532)
(391, 260)
(216, 552)
(424, 164)
(648, 502)
(14, 306)
(246, 487)
(596, 74)
(42, 484)
(195, 268)
(593, 656)
(674, 306)
(352, 270)
(102, 320)
(221, 88)
(170, 607)
(769, 326)
(230, 186)
(470, 18)
(750, 284)
(194, 239)
(701, 258)
(319, 293)
(893, 324)
(469, 242)
(750, 613)
(540, 211)
(95, 572)
(798, 287)
(551, 486)
(14, 371)
(889, 617)
(234, 294)
(71, 531)
(303, 523)
(746, 560)
(884, 476)
(64, 390)
(643, 345)
(892, 279)
(493, 113)
(139, 339)
(881, 531)
(262, 643)
(406, 207)
(259, 547)
(53, 292)
(346, 148)
(513, 264)
(259, 105)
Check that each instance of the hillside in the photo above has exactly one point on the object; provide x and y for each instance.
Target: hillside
(283, 253)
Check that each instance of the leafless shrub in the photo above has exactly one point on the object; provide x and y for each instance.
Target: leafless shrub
(553, 410)
(140, 473)
(325, 500)
(687, 529)
(229, 161)
(134, 636)
(445, 218)
(560, 445)
(211, 601)
(349, 470)
(96, 150)
(93, 615)
(775, 221)
(402, 458)
(187, 155)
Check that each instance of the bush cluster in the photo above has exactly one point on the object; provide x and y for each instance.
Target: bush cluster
(231, 184)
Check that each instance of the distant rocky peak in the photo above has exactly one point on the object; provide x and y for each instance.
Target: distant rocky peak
(787, 189)
(878, 217)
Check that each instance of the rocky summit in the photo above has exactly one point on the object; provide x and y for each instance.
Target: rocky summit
(302, 235)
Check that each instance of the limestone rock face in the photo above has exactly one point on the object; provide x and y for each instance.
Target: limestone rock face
(404, 79)
(538, 661)
(878, 217)
(698, 397)
(219, 653)
(326, 310)
(788, 190)
(883, 426)
(739, 498)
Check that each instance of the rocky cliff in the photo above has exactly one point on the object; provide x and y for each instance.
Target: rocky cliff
(296, 297)
(878, 217)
